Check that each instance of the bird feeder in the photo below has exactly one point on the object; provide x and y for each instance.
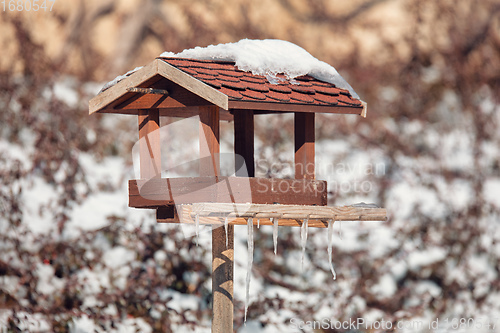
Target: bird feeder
(218, 91)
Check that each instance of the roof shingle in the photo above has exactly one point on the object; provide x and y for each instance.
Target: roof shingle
(245, 86)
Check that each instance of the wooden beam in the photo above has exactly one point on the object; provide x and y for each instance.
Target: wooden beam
(196, 86)
(139, 101)
(174, 191)
(244, 140)
(149, 144)
(222, 279)
(271, 107)
(148, 91)
(222, 256)
(177, 97)
(209, 141)
(178, 112)
(304, 145)
(288, 215)
(113, 93)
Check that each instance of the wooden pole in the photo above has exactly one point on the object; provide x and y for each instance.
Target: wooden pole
(244, 140)
(304, 145)
(222, 257)
(149, 143)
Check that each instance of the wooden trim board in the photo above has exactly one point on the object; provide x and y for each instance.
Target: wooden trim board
(99, 102)
(288, 215)
(158, 192)
(269, 107)
(194, 85)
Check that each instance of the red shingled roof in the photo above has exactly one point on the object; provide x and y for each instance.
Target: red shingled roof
(245, 86)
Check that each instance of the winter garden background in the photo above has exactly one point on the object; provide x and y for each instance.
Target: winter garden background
(74, 257)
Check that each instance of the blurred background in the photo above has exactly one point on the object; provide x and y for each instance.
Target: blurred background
(75, 258)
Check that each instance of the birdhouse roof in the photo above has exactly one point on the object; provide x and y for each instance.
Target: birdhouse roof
(191, 83)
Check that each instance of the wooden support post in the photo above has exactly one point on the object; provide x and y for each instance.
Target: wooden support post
(222, 257)
(149, 143)
(304, 145)
(209, 141)
(244, 140)
(222, 279)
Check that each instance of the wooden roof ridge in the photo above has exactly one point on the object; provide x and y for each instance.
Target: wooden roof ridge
(221, 83)
(169, 72)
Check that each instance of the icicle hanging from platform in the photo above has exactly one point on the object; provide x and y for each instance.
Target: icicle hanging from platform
(275, 234)
(197, 223)
(258, 223)
(330, 246)
(226, 224)
(303, 240)
(250, 262)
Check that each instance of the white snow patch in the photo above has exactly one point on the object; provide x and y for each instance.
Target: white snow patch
(399, 269)
(28, 322)
(428, 287)
(103, 171)
(119, 78)
(386, 286)
(14, 152)
(93, 281)
(181, 302)
(39, 199)
(382, 239)
(92, 213)
(480, 266)
(118, 256)
(268, 57)
(47, 283)
(66, 92)
(82, 325)
(456, 150)
(420, 259)
(404, 197)
(251, 326)
(129, 325)
(491, 191)
(160, 255)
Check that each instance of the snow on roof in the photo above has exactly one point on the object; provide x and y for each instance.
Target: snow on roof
(118, 79)
(268, 57)
(244, 86)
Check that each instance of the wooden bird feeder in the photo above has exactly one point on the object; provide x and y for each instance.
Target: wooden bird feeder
(217, 91)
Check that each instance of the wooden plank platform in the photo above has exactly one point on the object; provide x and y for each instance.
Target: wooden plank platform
(159, 192)
(287, 215)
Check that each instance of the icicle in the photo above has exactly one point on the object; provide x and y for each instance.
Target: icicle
(250, 262)
(197, 223)
(275, 234)
(258, 223)
(226, 224)
(303, 240)
(330, 245)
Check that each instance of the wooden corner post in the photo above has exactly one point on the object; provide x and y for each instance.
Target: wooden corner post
(304, 145)
(149, 143)
(244, 141)
(222, 257)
